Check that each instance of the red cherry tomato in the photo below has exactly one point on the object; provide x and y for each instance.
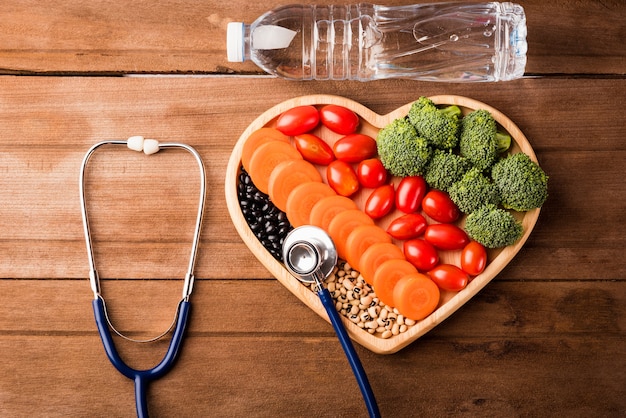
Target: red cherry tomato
(355, 148)
(449, 277)
(339, 119)
(371, 173)
(314, 149)
(410, 192)
(421, 254)
(446, 236)
(342, 178)
(298, 120)
(440, 207)
(473, 258)
(408, 226)
(380, 201)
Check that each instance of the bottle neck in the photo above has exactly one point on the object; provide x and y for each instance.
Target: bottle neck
(246, 43)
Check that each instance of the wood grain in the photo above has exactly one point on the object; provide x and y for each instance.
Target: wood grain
(48, 123)
(546, 336)
(566, 37)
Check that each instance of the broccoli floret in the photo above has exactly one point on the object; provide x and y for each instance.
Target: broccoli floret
(401, 150)
(440, 127)
(493, 227)
(444, 169)
(473, 191)
(479, 139)
(523, 185)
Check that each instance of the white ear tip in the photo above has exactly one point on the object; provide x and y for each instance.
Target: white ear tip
(150, 146)
(135, 143)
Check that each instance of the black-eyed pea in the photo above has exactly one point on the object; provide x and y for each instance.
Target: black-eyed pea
(373, 311)
(386, 334)
(409, 322)
(371, 325)
(354, 310)
(395, 330)
(403, 328)
(400, 319)
(365, 317)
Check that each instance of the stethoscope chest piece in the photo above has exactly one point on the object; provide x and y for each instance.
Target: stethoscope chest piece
(309, 254)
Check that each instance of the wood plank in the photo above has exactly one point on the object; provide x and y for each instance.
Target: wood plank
(48, 123)
(303, 376)
(264, 307)
(572, 334)
(180, 36)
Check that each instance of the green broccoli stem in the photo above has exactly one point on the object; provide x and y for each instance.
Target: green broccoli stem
(503, 141)
(452, 111)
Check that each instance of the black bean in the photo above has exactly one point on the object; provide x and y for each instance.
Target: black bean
(268, 223)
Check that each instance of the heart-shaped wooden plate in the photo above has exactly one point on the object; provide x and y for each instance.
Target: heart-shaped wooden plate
(370, 125)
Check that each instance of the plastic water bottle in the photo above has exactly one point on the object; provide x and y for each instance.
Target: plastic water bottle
(453, 42)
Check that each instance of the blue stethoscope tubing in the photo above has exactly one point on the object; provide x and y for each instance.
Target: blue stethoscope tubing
(348, 348)
(310, 256)
(141, 378)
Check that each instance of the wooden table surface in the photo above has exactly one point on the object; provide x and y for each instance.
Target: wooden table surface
(544, 338)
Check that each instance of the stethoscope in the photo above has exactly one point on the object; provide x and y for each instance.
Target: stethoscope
(310, 255)
(142, 377)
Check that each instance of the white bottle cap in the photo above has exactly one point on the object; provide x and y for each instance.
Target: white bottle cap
(234, 41)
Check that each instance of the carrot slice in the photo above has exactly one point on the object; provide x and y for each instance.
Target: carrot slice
(301, 201)
(360, 239)
(265, 158)
(326, 209)
(258, 138)
(386, 277)
(374, 256)
(416, 296)
(286, 176)
(343, 224)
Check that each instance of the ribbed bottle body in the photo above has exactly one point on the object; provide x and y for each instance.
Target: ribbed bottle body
(438, 42)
